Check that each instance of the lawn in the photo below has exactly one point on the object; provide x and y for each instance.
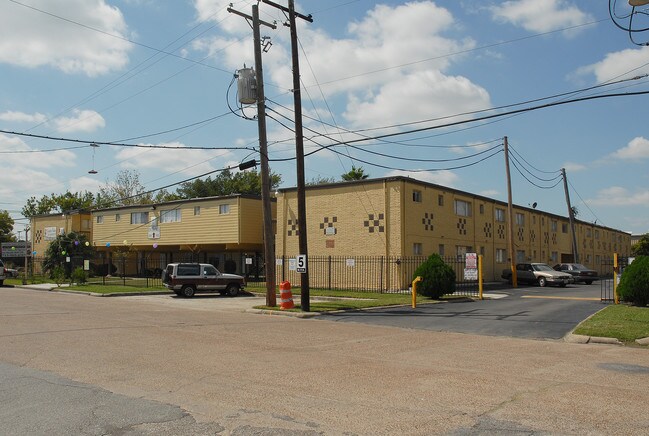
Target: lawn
(626, 323)
(114, 289)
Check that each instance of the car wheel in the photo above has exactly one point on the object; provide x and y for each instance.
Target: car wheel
(1, 282)
(232, 290)
(542, 282)
(562, 285)
(188, 291)
(588, 282)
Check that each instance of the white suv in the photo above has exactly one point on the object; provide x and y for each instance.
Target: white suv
(186, 279)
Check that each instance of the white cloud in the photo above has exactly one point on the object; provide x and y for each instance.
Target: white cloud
(626, 63)
(173, 160)
(29, 38)
(52, 159)
(574, 167)
(21, 117)
(380, 60)
(540, 15)
(85, 183)
(444, 177)
(637, 149)
(82, 121)
(491, 193)
(619, 196)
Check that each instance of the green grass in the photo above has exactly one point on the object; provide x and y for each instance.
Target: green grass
(626, 323)
(30, 281)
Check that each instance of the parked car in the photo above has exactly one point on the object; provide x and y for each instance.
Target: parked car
(187, 279)
(3, 273)
(540, 273)
(11, 272)
(579, 272)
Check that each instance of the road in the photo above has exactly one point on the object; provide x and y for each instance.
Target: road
(72, 364)
(525, 312)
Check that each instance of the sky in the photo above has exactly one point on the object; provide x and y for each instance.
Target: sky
(380, 82)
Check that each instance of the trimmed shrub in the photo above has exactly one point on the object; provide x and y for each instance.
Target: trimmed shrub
(58, 275)
(437, 278)
(634, 283)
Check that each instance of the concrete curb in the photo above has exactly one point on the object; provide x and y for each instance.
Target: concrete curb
(643, 341)
(53, 288)
(581, 339)
(283, 313)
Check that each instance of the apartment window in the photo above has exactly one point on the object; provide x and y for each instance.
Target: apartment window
(117, 217)
(588, 233)
(417, 249)
(596, 234)
(500, 215)
(533, 219)
(461, 251)
(440, 249)
(170, 216)
(197, 210)
(100, 219)
(520, 219)
(482, 251)
(416, 196)
(555, 257)
(482, 209)
(564, 227)
(553, 225)
(85, 224)
(520, 256)
(440, 200)
(139, 217)
(501, 255)
(462, 208)
(224, 209)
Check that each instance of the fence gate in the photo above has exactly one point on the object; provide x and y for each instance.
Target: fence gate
(607, 285)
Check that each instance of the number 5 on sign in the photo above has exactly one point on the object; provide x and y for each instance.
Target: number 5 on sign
(301, 263)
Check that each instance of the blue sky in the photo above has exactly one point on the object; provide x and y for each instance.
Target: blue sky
(125, 71)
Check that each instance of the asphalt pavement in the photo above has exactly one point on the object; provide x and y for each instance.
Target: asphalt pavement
(525, 312)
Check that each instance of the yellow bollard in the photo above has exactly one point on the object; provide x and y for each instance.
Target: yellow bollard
(480, 275)
(414, 291)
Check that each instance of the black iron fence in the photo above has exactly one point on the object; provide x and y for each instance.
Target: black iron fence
(607, 281)
(383, 274)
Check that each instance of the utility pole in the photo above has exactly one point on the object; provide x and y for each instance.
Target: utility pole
(510, 218)
(267, 216)
(305, 298)
(571, 216)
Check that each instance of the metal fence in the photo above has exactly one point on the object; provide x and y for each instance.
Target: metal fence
(607, 281)
(383, 274)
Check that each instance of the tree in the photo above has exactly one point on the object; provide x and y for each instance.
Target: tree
(355, 174)
(641, 248)
(71, 245)
(126, 189)
(226, 183)
(6, 227)
(54, 203)
(319, 180)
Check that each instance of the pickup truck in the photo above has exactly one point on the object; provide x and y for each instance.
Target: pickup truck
(540, 273)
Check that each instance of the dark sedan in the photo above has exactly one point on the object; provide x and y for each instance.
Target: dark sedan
(578, 271)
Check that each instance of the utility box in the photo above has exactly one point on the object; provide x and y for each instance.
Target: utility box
(247, 86)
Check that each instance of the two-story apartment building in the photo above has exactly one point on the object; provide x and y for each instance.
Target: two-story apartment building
(399, 216)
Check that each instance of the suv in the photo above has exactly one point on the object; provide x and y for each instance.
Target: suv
(3, 275)
(540, 273)
(186, 279)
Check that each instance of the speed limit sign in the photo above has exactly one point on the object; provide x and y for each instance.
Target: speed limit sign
(301, 263)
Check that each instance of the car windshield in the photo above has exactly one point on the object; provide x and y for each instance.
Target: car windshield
(542, 267)
(578, 266)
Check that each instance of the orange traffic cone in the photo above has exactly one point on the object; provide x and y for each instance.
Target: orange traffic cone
(285, 295)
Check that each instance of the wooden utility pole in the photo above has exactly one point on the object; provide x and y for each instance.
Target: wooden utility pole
(571, 216)
(510, 218)
(267, 215)
(305, 298)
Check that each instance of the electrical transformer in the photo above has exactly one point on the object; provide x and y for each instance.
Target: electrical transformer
(247, 86)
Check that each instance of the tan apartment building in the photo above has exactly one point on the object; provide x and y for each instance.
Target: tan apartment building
(402, 217)
(225, 231)
(45, 228)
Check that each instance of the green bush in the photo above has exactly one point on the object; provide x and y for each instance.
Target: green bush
(78, 276)
(634, 283)
(58, 275)
(437, 278)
